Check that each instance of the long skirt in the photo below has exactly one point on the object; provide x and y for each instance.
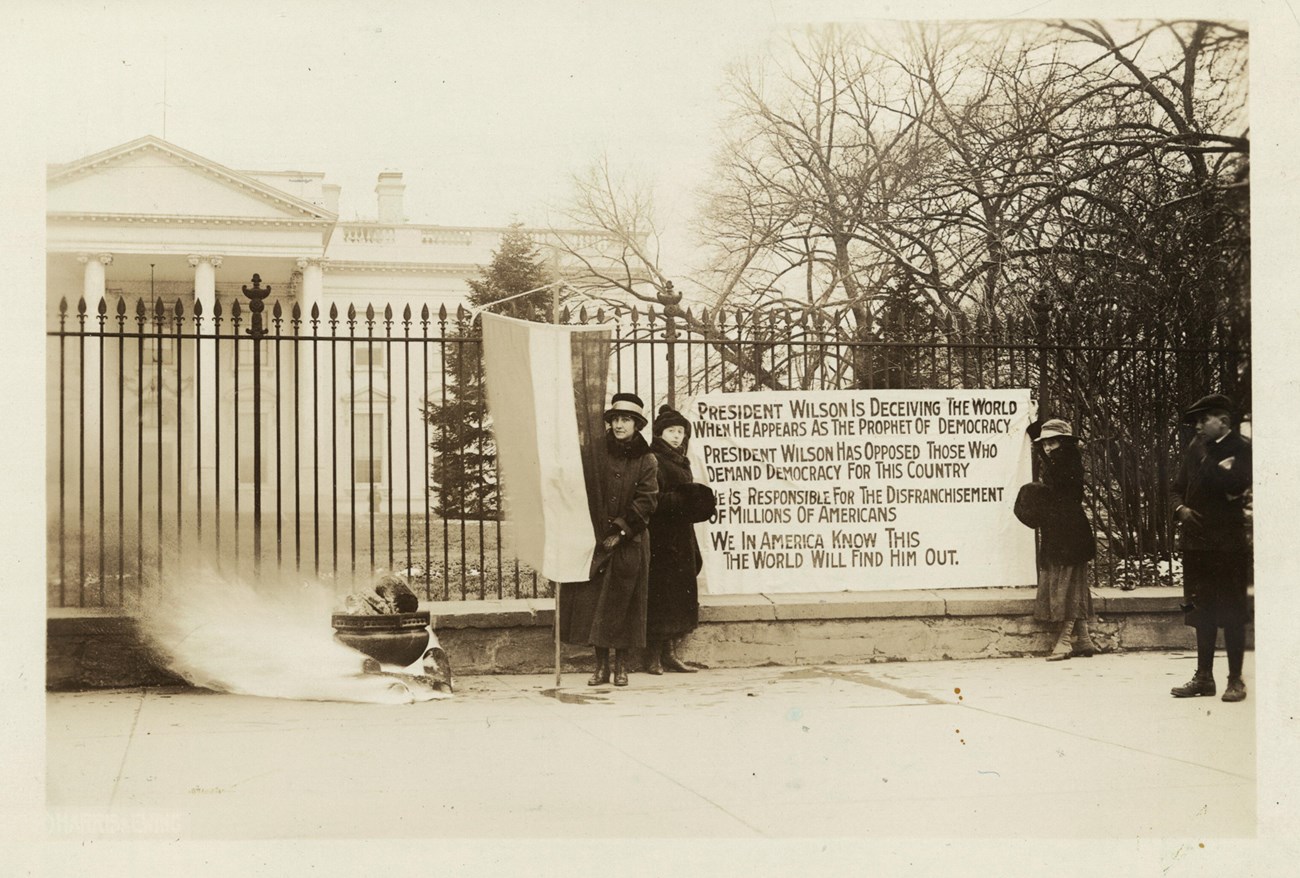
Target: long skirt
(608, 611)
(673, 605)
(673, 608)
(1214, 588)
(1063, 594)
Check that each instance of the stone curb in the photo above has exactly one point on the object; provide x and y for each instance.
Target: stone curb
(539, 613)
(1017, 601)
(102, 648)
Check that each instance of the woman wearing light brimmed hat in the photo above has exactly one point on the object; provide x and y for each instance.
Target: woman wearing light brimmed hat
(1066, 542)
(608, 611)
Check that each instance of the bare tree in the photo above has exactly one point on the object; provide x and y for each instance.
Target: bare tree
(968, 167)
(1180, 133)
(616, 251)
(875, 184)
(613, 247)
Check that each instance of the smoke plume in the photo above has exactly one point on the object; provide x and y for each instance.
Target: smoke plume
(270, 638)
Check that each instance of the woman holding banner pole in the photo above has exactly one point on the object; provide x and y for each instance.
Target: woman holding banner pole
(674, 604)
(1066, 542)
(608, 611)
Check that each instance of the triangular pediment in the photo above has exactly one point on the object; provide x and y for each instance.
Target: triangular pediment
(151, 177)
(366, 396)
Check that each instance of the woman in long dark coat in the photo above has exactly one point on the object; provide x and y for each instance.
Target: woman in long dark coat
(674, 605)
(608, 611)
(1066, 543)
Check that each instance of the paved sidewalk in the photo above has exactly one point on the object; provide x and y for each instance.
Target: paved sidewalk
(1003, 748)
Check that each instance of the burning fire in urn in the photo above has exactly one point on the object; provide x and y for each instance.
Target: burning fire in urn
(385, 625)
(228, 633)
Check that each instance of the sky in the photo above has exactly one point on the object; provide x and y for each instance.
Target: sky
(487, 109)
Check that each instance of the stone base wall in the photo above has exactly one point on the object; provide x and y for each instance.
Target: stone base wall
(89, 649)
(739, 631)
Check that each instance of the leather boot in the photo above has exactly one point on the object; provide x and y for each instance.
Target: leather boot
(1062, 650)
(620, 670)
(1082, 642)
(652, 663)
(602, 667)
(1200, 684)
(1236, 690)
(672, 662)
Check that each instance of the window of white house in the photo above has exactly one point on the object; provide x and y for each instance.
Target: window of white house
(368, 356)
(368, 439)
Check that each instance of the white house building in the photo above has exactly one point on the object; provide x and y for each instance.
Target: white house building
(150, 210)
(148, 221)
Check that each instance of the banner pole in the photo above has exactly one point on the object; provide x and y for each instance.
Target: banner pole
(557, 636)
(555, 319)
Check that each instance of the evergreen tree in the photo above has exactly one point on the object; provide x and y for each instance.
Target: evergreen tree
(516, 267)
(464, 466)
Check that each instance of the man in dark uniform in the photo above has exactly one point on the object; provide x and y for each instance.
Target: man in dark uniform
(1209, 502)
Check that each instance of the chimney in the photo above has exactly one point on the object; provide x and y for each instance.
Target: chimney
(389, 189)
(330, 193)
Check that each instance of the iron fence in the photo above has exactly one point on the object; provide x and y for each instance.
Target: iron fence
(334, 445)
(1121, 382)
(260, 442)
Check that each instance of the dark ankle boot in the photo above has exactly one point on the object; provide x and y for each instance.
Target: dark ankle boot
(1200, 684)
(672, 662)
(1082, 642)
(1236, 690)
(602, 668)
(620, 671)
(652, 663)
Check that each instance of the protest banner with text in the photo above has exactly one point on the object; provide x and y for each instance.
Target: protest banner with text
(863, 490)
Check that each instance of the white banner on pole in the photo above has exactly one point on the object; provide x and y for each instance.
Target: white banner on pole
(863, 490)
(532, 394)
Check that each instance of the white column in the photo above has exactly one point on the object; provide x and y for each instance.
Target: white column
(313, 284)
(203, 463)
(93, 289)
(205, 283)
(314, 412)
